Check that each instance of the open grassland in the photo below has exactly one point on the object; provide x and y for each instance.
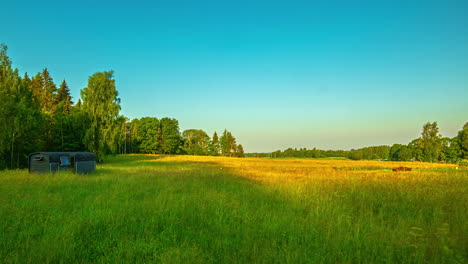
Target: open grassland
(184, 209)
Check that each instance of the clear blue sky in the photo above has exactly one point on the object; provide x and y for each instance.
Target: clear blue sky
(278, 74)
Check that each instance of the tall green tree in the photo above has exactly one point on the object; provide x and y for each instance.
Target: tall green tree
(148, 135)
(405, 153)
(102, 105)
(224, 144)
(416, 148)
(78, 122)
(227, 144)
(61, 121)
(232, 145)
(399, 152)
(431, 142)
(170, 139)
(214, 150)
(239, 151)
(394, 152)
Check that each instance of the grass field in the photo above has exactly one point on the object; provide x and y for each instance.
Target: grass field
(188, 209)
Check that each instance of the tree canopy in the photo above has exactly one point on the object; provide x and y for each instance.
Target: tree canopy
(102, 106)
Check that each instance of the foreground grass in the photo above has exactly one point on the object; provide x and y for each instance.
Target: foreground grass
(183, 209)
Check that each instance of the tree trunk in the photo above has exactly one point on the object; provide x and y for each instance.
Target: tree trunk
(12, 148)
(17, 158)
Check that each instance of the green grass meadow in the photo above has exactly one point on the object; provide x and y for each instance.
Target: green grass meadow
(138, 209)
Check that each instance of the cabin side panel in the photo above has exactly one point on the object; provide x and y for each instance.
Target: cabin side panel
(85, 166)
(54, 166)
(39, 163)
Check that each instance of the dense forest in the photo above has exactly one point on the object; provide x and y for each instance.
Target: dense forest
(36, 115)
(429, 147)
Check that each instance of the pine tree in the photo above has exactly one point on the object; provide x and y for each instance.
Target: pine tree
(26, 80)
(431, 142)
(231, 145)
(215, 144)
(36, 86)
(240, 151)
(227, 144)
(223, 143)
(63, 100)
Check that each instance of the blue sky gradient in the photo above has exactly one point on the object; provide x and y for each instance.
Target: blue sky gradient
(278, 74)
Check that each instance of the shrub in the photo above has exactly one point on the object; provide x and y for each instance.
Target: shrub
(463, 162)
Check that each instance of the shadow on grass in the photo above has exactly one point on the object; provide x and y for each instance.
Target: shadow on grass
(148, 165)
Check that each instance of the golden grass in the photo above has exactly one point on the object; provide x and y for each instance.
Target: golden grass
(300, 170)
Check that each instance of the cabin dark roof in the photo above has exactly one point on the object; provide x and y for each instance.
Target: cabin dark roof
(79, 156)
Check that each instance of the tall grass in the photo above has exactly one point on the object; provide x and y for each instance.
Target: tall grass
(184, 209)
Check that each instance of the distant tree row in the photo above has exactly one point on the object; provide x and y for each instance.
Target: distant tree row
(162, 136)
(432, 147)
(197, 142)
(35, 115)
(377, 152)
(429, 147)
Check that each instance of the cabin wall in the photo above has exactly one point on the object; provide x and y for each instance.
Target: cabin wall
(39, 165)
(50, 162)
(85, 166)
(54, 166)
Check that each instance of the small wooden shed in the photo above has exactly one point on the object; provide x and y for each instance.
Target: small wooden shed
(78, 162)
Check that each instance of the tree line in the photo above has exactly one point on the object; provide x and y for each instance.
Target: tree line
(162, 136)
(37, 115)
(429, 147)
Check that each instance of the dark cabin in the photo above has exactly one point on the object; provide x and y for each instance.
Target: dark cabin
(78, 162)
